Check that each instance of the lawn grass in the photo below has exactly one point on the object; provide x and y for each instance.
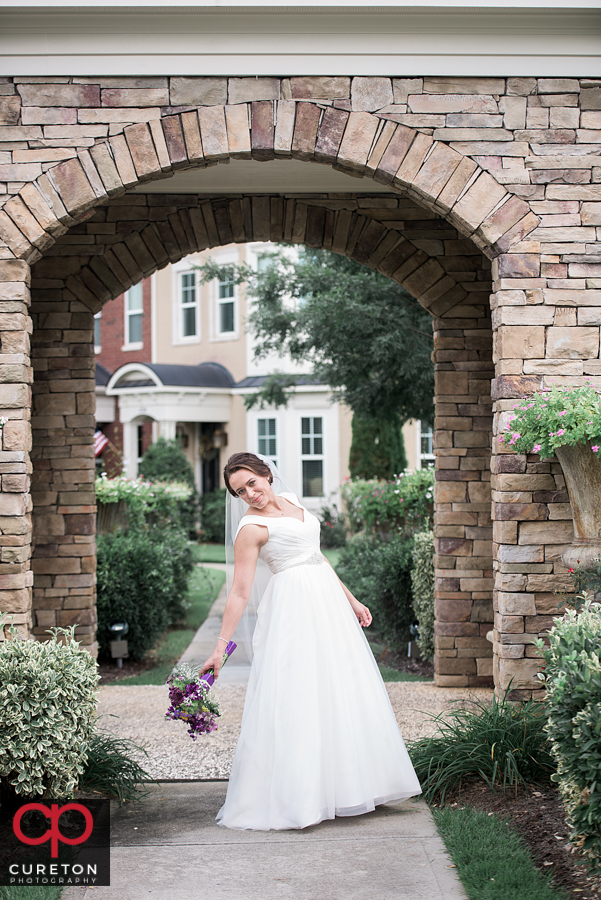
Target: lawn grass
(209, 553)
(203, 587)
(493, 861)
(389, 674)
(332, 556)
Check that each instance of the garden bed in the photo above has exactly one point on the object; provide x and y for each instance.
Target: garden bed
(391, 661)
(537, 814)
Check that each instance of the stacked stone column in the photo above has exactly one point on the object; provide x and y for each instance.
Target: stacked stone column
(64, 551)
(16, 577)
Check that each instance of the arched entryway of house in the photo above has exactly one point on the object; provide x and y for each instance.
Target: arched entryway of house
(435, 229)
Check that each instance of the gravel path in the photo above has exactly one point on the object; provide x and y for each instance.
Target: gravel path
(137, 713)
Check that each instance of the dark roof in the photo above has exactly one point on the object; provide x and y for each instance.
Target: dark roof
(259, 380)
(102, 375)
(207, 374)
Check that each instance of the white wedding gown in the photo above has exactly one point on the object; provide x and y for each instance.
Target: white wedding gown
(319, 737)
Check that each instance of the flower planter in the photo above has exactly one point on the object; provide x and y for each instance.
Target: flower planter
(582, 472)
(111, 516)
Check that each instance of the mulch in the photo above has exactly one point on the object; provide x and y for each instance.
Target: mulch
(110, 674)
(537, 814)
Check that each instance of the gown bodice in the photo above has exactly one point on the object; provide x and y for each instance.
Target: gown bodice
(290, 542)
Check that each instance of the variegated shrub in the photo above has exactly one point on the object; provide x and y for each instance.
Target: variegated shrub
(47, 713)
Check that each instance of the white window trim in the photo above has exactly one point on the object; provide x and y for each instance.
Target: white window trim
(309, 414)
(265, 414)
(217, 335)
(423, 456)
(178, 319)
(136, 345)
(98, 347)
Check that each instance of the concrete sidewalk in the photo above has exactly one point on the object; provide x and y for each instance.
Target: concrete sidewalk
(169, 846)
(238, 666)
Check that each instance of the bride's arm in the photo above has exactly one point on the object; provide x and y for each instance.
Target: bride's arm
(246, 552)
(361, 611)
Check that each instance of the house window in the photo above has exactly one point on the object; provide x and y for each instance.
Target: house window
(426, 445)
(312, 455)
(134, 310)
(140, 442)
(188, 305)
(226, 307)
(97, 344)
(267, 438)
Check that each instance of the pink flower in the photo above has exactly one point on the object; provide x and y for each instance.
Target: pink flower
(516, 435)
(511, 418)
(562, 413)
(560, 432)
(595, 449)
(501, 438)
(536, 448)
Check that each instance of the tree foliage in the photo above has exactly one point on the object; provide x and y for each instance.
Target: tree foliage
(358, 331)
(377, 447)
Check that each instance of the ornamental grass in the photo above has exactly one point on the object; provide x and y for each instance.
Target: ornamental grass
(502, 744)
(112, 770)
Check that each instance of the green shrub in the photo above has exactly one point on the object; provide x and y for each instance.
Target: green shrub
(422, 587)
(572, 677)
(212, 516)
(402, 504)
(47, 713)
(111, 769)
(333, 527)
(500, 743)
(141, 579)
(166, 461)
(175, 543)
(378, 573)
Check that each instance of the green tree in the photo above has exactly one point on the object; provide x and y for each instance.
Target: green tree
(377, 447)
(356, 330)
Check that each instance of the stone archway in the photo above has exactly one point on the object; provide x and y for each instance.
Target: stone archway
(491, 223)
(385, 231)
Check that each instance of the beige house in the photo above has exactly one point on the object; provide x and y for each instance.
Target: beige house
(199, 369)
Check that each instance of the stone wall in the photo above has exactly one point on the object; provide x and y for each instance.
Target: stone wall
(511, 165)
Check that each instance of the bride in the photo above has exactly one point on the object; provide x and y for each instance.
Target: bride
(319, 737)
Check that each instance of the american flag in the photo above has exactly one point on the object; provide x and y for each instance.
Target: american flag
(100, 442)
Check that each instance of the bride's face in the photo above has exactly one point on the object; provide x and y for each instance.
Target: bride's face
(253, 489)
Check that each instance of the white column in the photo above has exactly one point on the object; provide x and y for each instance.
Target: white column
(130, 449)
(167, 430)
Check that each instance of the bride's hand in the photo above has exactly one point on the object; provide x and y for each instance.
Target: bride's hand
(363, 614)
(214, 662)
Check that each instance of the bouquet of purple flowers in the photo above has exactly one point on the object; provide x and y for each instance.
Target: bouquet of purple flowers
(190, 697)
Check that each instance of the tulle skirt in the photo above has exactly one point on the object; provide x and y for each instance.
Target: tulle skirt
(319, 737)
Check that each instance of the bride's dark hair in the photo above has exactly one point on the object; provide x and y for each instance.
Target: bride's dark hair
(245, 461)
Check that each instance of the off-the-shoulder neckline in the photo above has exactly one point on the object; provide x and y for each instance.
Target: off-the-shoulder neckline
(279, 518)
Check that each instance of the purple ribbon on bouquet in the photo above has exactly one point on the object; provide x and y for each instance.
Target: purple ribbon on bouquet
(209, 676)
